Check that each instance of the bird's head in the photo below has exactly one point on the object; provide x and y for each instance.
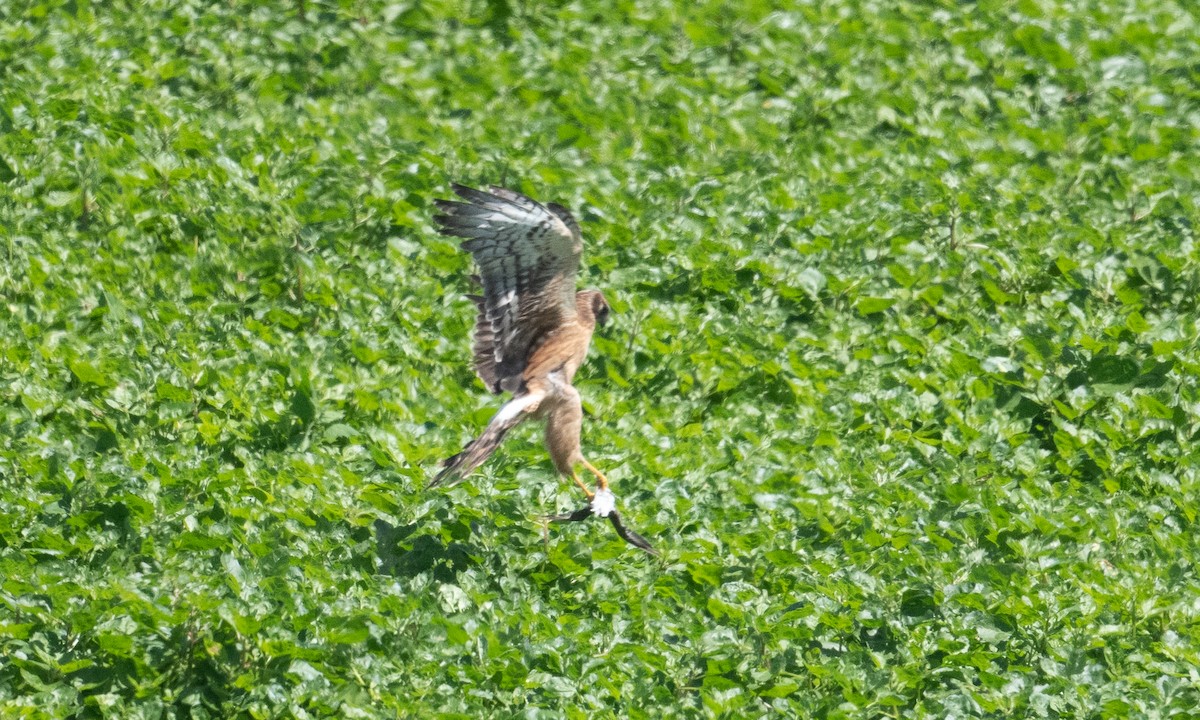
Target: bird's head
(599, 306)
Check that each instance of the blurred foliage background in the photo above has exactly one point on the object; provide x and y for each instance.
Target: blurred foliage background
(902, 379)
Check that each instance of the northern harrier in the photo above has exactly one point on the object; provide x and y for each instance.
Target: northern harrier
(532, 332)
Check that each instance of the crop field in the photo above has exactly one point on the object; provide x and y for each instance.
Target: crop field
(902, 380)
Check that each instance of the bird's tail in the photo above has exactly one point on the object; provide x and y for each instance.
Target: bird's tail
(481, 448)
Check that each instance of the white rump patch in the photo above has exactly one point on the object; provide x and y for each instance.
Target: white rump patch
(604, 503)
(516, 406)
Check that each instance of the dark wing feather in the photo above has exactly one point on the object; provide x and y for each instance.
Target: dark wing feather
(485, 354)
(567, 218)
(528, 257)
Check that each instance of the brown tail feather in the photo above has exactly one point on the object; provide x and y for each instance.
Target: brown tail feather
(472, 456)
(481, 448)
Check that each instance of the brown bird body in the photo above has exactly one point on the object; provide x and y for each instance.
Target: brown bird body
(533, 329)
(545, 392)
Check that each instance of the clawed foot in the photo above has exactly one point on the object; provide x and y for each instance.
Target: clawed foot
(604, 504)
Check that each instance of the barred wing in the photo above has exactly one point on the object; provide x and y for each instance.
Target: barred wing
(528, 257)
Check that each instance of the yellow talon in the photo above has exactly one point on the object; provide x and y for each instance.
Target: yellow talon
(601, 481)
(584, 488)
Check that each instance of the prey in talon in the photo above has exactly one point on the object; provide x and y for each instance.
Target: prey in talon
(532, 331)
(603, 504)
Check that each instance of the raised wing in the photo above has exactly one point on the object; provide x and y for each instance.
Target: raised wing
(528, 257)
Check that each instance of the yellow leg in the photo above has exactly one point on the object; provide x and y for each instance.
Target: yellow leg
(601, 481)
(584, 488)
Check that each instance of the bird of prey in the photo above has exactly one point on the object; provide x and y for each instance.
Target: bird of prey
(532, 332)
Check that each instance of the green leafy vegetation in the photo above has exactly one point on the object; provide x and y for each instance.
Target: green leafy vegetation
(902, 378)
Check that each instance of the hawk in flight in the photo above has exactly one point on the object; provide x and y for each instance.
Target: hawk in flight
(532, 332)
